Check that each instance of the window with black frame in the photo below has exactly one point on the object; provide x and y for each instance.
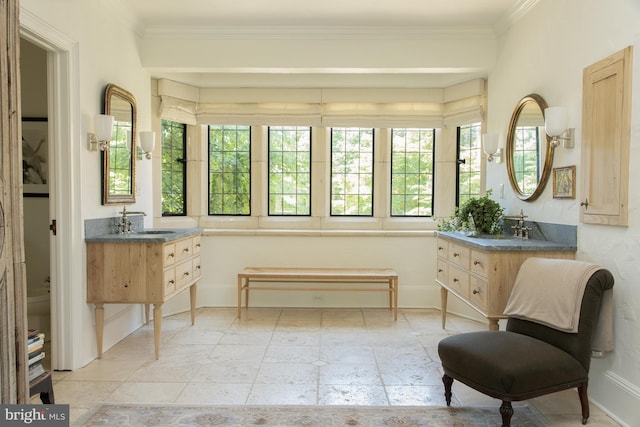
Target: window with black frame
(229, 170)
(469, 162)
(174, 168)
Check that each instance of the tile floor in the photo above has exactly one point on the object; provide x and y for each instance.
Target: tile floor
(290, 356)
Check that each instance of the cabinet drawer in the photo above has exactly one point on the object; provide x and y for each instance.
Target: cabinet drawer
(169, 281)
(196, 244)
(443, 271)
(478, 292)
(168, 254)
(459, 281)
(184, 274)
(184, 249)
(459, 255)
(443, 247)
(197, 268)
(480, 263)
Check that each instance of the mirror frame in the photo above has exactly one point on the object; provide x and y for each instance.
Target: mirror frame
(107, 197)
(548, 161)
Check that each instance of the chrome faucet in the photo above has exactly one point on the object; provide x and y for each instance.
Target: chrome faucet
(125, 224)
(520, 230)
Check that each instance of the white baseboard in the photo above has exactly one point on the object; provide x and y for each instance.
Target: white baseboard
(616, 397)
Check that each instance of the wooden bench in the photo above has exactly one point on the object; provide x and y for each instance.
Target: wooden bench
(251, 275)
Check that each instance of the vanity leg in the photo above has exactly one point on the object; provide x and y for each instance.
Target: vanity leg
(99, 327)
(493, 324)
(192, 298)
(157, 327)
(443, 305)
(146, 314)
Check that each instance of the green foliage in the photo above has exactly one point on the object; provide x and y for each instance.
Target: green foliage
(480, 214)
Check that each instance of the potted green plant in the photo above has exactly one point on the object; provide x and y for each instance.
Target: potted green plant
(479, 215)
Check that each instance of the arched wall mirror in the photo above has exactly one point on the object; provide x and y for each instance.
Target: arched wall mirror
(118, 161)
(529, 155)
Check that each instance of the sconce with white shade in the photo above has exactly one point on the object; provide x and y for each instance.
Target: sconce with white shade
(147, 142)
(491, 147)
(103, 128)
(556, 125)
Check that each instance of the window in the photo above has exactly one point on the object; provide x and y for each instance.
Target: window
(352, 172)
(229, 170)
(289, 170)
(469, 162)
(526, 157)
(174, 173)
(412, 172)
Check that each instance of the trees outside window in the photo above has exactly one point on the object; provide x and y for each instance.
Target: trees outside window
(412, 172)
(351, 172)
(229, 170)
(174, 168)
(469, 162)
(289, 170)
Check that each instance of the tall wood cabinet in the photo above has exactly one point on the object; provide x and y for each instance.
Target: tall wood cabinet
(482, 273)
(132, 270)
(606, 137)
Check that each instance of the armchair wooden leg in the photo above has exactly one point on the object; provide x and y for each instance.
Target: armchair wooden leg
(506, 410)
(448, 382)
(584, 401)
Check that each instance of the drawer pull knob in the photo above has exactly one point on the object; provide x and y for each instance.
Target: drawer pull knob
(440, 270)
(126, 285)
(455, 280)
(456, 254)
(476, 291)
(197, 267)
(186, 273)
(476, 262)
(197, 245)
(185, 250)
(440, 248)
(171, 282)
(171, 255)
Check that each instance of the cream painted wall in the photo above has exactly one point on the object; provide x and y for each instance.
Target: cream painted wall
(107, 53)
(546, 53)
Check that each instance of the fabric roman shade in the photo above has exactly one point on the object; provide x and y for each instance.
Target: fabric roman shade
(375, 107)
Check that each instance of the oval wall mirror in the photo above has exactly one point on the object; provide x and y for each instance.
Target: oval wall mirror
(118, 161)
(529, 155)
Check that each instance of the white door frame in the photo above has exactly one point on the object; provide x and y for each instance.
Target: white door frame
(67, 268)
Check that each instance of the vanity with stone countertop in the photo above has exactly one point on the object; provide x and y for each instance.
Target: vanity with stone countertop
(481, 271)
(146, 267)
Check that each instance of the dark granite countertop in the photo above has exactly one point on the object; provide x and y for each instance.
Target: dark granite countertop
(148, 235)
(507, 243)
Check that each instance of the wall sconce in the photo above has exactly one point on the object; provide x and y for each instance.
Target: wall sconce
(556, 125)
(103, 126)
(491, 146)
(147, 142)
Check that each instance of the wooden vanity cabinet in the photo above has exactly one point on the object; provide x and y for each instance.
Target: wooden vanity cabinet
(483, 279)
(138, 272)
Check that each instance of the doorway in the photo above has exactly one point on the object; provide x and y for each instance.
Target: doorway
(35, 178)
(65, 205)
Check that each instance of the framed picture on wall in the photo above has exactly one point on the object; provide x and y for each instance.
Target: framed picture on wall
(35, 157)
(564, 182)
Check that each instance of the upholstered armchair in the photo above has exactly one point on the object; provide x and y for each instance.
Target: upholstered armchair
(529, 359)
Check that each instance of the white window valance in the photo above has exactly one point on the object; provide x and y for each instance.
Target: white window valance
(388, 107)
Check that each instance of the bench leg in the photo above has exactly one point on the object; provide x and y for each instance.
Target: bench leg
(395, 298)
(240, 297)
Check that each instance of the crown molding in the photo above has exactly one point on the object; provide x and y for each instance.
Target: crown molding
(514, 14)
(319, 33)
